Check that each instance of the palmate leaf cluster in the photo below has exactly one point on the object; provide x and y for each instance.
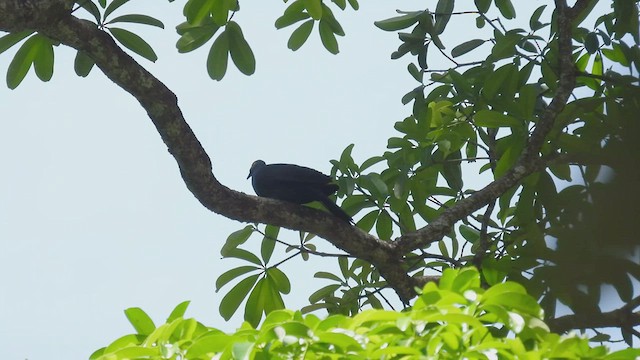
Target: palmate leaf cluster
(453, 320)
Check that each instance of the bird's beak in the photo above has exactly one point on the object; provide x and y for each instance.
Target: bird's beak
(248, 176)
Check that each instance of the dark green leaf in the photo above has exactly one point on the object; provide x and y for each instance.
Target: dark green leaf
(255, 305)
(443, 14)
(115, 4)
(468, 233)
(134, 43)
(289, 18)
(218, 57)
(235, 296)
(138, 19)
(327, 275)
(269, 242)
(534, 22)
(92, 9)
(399, 22)
(140, 321)
(506, 8)
(240, 51)
(328, 38)
(384, 226)
(83, 64)
(483, 5)
(300, 35)
(229, 275)
(243, 255)
(591, 43)
(465, 47)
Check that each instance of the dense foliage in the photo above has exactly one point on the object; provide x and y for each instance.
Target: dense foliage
(549, 110)
(456, 319)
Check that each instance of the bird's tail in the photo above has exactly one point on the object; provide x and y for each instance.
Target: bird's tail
(336, 210)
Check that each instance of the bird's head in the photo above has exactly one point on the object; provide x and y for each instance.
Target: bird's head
(255, 166)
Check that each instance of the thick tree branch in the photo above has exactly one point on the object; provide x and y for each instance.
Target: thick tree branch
(54, 20)
(529, 160)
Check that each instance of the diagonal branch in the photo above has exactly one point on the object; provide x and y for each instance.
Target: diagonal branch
(53, 19)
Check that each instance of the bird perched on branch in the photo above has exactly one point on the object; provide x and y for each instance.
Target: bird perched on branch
(296, 184)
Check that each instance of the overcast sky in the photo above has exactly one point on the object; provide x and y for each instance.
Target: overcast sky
(94, 217)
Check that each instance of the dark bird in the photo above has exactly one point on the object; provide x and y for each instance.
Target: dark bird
(296, 184)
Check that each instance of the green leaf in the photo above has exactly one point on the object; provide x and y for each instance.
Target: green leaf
(83, 64)
(237, 238)
(134, 43)
(314, 8)
(269, 242)
(91, 8)
(218, 57)
(483, 5)
(370, 162)
(328, 38)
(11, 39)
(367, 221)
(138, 19)
(22, 61)
(280, 279)
(229, 275)
(43, 60)
(256, 303)
(468, 233)
(494, 119)
(220, 11)
(327, 275)
(195, 37)
(506, 8)
(235, 296)
(140, 320)
(534, 22)
(398, 22)
(384, 226)
(443, 14)
(113, 6)
(290, 18)
(300, 35)
(591, 42)
(178, 311)
(240, 51)
(465, 47)
(243, 255)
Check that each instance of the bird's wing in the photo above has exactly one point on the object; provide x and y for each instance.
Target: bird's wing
(286, 173)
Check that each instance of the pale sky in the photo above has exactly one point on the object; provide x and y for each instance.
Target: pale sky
(94, 217)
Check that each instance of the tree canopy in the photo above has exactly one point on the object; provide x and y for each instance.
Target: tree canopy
(549, 111)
